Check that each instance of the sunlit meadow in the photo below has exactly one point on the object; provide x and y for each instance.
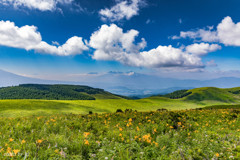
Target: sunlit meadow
(186, 134)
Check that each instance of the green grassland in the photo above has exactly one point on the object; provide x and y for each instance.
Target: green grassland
(19, 108)
(199, 98)
(202, 123)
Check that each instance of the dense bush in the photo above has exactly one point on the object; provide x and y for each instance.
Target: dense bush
(58, 92)
(178, 94)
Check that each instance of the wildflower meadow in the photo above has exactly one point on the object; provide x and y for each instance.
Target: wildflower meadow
(186, 134)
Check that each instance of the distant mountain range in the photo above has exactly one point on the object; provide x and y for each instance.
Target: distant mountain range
(132, 84)
(10, 79)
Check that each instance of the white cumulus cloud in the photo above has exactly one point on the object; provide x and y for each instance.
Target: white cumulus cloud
(122, 10)
(201, 49)
(111, 43)
(73, 46)
(28, 38)
(42, 5)
(227, 33)
(165, 56)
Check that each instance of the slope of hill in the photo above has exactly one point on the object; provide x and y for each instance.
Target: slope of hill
(212, 93)
(229, 95)
(55, 92)
(183, 99)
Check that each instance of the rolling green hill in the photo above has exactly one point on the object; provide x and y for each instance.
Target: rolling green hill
(229, 95)
(212, 93)
(55, 92)
(107, 103)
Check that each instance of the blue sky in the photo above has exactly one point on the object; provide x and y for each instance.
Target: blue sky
(204, 36)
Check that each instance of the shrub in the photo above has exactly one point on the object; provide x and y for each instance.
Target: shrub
(119, 111)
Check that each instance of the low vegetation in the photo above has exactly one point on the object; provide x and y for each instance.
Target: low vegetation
(236, 106)
(178, 94)
(186, 134)
(55, 92)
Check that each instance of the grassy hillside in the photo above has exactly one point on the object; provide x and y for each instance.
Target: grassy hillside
(212, 93)
(19, 108)
(198, 98)
(206, 94)
(55, 92)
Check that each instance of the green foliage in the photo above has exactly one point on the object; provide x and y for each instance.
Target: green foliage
(237, 106)
(235, 92)
(54, 92)
(211, 93)
(178, 94)
(186, 134)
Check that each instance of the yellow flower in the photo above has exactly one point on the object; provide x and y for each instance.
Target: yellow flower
(86, 142)
(217, 154)
(179, 123)
(16, 151)
(120, 129)
(155, 130)
(147, 138)
(171, 127)
(23, 141)
(11, 139)
(1, 150)
(39, 141)
(9, 149)
(163, 147)
(86, 134)
(135, 137)
(130, 120)
(120, 134)
(156, 144)
(138, 128)
(56, 151)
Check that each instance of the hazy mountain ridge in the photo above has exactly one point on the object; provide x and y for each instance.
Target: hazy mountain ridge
(133, 84)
